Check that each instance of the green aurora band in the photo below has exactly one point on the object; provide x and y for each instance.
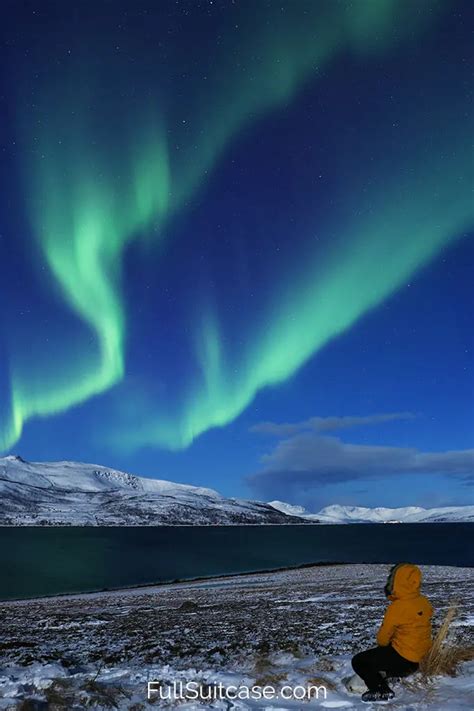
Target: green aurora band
(93, 191)
(325, 302)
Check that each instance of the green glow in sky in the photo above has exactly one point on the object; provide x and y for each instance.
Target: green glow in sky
(381, 253)
(102, 173)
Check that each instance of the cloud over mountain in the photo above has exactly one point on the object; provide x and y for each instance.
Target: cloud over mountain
(305, 459)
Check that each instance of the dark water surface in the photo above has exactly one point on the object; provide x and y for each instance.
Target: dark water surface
(45, 561)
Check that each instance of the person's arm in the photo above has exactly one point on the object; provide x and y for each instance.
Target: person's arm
(387, 628)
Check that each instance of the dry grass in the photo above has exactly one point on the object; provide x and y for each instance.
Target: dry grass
(325, 664)
(104, 696)
(271, 678)
(262, 663)
(60, 695)
(265, 673)
(321, 681)
(63, 695)
(445, 656)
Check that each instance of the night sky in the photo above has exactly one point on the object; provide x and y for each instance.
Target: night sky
(236, 244)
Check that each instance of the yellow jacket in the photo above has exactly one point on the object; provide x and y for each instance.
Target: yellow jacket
(407, 621)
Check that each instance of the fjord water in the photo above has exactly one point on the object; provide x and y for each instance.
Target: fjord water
(37, 561)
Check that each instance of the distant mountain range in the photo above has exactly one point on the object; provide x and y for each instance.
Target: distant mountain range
(359, 514)
(72, 493)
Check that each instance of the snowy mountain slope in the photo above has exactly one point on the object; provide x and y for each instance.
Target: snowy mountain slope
(408, 514)
(72, 493)
(358, 514)
(290, 509)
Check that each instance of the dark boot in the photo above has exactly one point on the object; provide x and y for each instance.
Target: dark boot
(383, 693)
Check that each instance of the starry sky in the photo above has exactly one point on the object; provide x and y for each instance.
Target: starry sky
(236, 244)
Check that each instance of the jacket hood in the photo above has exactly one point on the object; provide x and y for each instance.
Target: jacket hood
(406, 581)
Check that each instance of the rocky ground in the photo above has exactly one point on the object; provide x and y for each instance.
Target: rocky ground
(293, 627)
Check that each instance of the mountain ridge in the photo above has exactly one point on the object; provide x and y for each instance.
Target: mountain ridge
(338, 514)
(74, 493)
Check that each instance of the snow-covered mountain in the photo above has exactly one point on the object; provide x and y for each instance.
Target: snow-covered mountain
(291, 509)
(359, 514)
(71, 493)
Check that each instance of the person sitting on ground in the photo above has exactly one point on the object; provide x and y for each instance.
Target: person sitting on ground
(403, 638)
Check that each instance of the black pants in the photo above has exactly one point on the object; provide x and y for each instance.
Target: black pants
(369, 664)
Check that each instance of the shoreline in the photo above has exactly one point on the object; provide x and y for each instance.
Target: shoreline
(318, 524)
(180, 583)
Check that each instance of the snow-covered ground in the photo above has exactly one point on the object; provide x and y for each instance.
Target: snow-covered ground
(287, 629)
(359, 514)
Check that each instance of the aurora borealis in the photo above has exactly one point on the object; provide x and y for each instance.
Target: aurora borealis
(204, 197)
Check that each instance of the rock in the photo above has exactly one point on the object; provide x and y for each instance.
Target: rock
(189, 606)
(354, 684)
